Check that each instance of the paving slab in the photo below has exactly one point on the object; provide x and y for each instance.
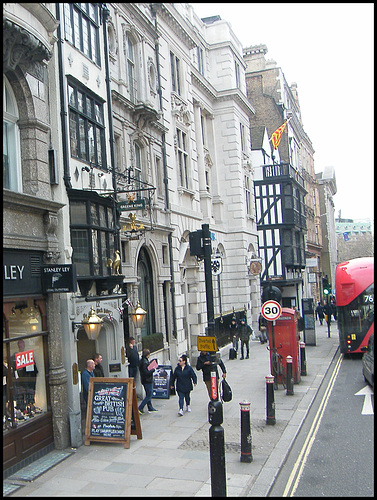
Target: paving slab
(173, 458)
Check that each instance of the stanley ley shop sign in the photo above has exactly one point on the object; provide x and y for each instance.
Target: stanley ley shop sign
(58, 278)
(24, 273)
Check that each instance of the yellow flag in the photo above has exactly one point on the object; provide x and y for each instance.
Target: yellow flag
(276, 136)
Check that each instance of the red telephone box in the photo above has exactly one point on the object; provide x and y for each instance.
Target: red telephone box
(284, 336)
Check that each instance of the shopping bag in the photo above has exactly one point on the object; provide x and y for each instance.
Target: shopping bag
(226, 391)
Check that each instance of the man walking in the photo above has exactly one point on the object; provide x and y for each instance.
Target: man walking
(244, 332)
(207, 364)
(133, 357)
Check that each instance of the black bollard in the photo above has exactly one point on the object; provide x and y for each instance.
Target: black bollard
(217, 449)
(303, 358)
(270, 400)
(289, 391)
(246, 439)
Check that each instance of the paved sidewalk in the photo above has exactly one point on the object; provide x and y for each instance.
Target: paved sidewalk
(173, 459)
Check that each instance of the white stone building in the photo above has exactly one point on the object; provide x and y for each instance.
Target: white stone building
(145, 138)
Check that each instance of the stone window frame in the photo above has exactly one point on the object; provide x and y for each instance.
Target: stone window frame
(87, 118)
(83, 15)
(175, 73)
(10, 119)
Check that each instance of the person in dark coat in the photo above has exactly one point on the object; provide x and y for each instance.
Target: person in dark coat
(184, 376)
(319, 313)
(300, 321)
(262, 325)
(244, 332)
(328, 311)
(207, 364)
(233, 327)
(133, 357)
(146, 376)
(98, 369)
(85, 376)
(333, 307)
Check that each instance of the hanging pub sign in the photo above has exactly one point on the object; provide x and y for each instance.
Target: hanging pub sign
(58, 278)
(124, 206)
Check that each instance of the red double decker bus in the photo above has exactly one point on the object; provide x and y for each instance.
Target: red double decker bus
(354, 289)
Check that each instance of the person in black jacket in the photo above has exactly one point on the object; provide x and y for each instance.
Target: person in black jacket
(133, 357)
(98, 369)
(262, 325)
(233, 327)
(244, 332)
(147, 381)
(207, 364)
(319, 312)
(184, 375)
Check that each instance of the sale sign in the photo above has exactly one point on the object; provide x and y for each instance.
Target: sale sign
(24, 359)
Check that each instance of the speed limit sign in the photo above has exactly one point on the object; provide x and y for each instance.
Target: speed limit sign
(271, 310)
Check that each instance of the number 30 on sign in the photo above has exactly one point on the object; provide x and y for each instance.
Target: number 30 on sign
(271, 310)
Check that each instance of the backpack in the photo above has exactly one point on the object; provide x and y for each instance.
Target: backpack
(226, 391)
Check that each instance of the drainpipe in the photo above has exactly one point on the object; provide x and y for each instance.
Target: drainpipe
(165, 168)
(63, 103)
(105, 15)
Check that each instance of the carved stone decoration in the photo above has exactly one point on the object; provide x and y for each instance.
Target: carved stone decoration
(180, 111)
(208, 160)
(50, 223)
(152, 75)
(50, 257)
(21, 47)
(113, 39)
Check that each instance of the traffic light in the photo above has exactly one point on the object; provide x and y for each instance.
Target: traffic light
(271, 293)
(196, 243)
(325, 285)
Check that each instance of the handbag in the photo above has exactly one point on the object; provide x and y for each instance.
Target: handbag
(226, 391)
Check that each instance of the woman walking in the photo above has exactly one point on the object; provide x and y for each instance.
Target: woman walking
(185, 376)
(146, 376)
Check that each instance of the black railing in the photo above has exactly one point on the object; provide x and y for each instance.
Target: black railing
(222, 327)
(282, 170)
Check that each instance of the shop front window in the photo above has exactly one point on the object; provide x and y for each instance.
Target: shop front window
(24, 373)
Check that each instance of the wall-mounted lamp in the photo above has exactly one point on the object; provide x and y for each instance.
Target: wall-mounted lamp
(92, 325)
(100, 174)
(86, 169)
(138, 315)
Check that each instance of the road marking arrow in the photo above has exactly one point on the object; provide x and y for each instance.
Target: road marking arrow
(367, 406)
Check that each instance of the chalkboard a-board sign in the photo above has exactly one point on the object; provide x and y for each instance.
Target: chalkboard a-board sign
(112, 405)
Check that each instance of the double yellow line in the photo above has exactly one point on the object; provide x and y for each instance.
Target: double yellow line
(303, 456)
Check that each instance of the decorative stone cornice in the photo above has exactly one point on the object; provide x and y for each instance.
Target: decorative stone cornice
(21, 47)
(175, 22)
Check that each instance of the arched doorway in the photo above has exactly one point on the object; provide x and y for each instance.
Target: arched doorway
(146, 295)
(85, 349)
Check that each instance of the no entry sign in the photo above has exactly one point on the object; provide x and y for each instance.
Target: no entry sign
(271, 310)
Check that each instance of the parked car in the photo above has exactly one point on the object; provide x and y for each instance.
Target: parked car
(368, 362)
